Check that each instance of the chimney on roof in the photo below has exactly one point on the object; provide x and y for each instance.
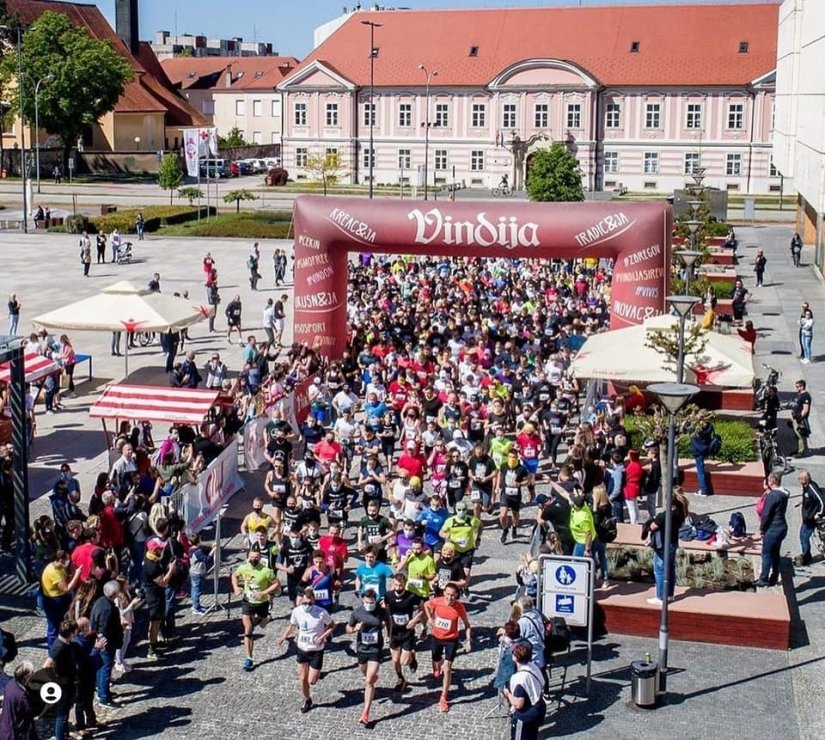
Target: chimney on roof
(126, 23)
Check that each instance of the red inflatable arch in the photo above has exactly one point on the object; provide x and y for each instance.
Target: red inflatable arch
(636, 235)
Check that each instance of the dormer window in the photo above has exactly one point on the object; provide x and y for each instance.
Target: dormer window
(634, 47)
(473, 51)
(743, 47)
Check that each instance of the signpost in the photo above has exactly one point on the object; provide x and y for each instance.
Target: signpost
(565, 589)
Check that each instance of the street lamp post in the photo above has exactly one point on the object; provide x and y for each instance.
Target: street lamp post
(689, 257)
(672, 396)
(429, 74)
(682, 305)
(48, 77)
(372, 26)
(137, 143)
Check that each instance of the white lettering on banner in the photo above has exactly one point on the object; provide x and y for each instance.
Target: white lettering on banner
(319, 276)
(348, 223)
(639, 276)
(642, 255)
(317, 328)
(604, 230)
(646, 291)
(632, 312)
(302, 400)
(309, 242)
(506, 233)
(216, 485)
(317, 301)
(314, 260)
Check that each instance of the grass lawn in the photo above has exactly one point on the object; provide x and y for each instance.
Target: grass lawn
(272, 225)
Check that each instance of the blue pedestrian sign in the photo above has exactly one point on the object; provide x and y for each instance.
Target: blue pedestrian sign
(565, 604)
(565, 575)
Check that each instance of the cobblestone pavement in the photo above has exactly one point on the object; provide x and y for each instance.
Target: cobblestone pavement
(200, 690)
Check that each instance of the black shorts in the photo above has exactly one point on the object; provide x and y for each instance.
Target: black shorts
(511, 502)
(403, 641)
(445, 649)
(255, 610)
(156, 605)
(315, 658)
(371, 657)
(466, 558)
(278, 503)
(292, 588)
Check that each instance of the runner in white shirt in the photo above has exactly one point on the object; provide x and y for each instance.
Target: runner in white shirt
(313, 627)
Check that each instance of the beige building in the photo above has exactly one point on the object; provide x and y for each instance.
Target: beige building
(169, 46)
(234, 92)
(799, 133)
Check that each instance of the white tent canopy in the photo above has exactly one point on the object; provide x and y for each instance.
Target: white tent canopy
(622, 355)
(124, 307)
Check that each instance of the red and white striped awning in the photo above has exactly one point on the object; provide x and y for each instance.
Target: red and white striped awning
(152, 403)
(37, 367)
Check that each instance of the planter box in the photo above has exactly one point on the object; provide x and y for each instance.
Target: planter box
(725, 479)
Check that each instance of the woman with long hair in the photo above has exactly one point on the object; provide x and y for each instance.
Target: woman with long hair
(680, 510)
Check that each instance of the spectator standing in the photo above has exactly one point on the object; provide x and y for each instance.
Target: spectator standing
(140, 224)
(655, 528)
(252, 263)
(700, 448)
(269, 324)
(800, 417)
(85, 253)
(105, 621)
(279, 315)
(216, 372)
(813, 509)
(87, 646)
(57, 587)
(191, 377)
(739, 298)
(14, 314)
(233, 319)
(62, 661)
(633, 485)
(773, 526)
(524, 694)
(100, 243)
(17, 717)
(796, 249)
(115, 241)
(806, 334)
(759, 267)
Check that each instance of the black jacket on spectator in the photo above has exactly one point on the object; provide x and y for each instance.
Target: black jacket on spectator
(105, 620)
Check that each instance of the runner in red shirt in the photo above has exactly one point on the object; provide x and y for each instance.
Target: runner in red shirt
(335, 549)
(529, 444)
(443, 615)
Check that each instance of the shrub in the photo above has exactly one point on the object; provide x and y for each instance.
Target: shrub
(717, 228)
(699, 286)
(154, 218)
(239, 226)
(277, 176)
(78, 223)
(738, 440)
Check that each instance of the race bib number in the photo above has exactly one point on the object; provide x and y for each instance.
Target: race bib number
(475, 495)
(338, 513)
(306, 641)
(529, 452)
(416, 582)
(443, 624)
(461, 541)
(555, 430)
(401, 619)
(510, 491)
(321, 594)
(369, 638)
(454, 484)
(476, 425)
(375, 539)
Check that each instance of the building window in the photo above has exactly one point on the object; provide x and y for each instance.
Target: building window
(274, 138)
(772, 171)
(479, 118)
(651, 163)
(300, 112)
(692, 163)
(257, 108)
(276, 108)
(257, 137)
(331, 151)
(611, 163)
(301, 156)
(733, 165)
(369, 114)
(208, 107)
(694, 116)
(736, 116)
(405, 115)
(477, 160)
(653, 115)
(574, 115)
(442, 115)
(508, 115)
(240, 107)
(332, 114)
(404, 159)
(542, 117)
(612, 115)
(368, 157)
(440, 159)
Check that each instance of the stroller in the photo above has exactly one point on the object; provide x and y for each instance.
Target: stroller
(124, 253)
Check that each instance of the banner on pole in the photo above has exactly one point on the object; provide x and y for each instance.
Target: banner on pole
(198, 143)
(215, 486)
(254, 443)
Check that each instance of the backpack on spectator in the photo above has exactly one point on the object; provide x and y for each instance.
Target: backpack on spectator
(556, 636)
(715, 444)
(736, 525)
(8, 647)
(606, 528)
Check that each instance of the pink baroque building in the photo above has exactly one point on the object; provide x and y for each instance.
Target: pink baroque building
(643, 95)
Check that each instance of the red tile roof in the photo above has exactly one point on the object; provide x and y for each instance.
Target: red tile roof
(145, 93)
(187, 72)
(678, 44)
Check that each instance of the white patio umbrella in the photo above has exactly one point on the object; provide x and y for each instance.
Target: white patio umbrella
(622, 355)
(124, 307)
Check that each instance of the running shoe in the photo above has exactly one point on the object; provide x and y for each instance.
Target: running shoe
(414, 664)
(307, 705)
(443, 704)
(247, 664)
(401, 685)
(151, 655)
(436, 673)
(365, 719)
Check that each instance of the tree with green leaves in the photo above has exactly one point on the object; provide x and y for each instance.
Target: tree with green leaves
(555, 176)
(191, 194)
(233, 138)
(327, 168)
(88, 77)
(236, 196)
(170, 174)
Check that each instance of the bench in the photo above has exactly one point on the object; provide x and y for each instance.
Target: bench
(726, 479)
(84, 358)
(630, 535)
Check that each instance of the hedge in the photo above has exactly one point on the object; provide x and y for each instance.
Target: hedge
(274, 225)
(699, 286)
(738, 440)
(154, 218)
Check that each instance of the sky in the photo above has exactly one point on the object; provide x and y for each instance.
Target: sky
(289, 24)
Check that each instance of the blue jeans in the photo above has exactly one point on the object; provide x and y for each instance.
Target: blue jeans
(137, 550)
(805, 534)
(14, 319)
(169, 619)
(771, 546)
(197, 590)
(61, 715)
(55, 608)
(599, 553)
(617, 509)
(104, 676)
(700, 473)
(659, 573)
(806, 340)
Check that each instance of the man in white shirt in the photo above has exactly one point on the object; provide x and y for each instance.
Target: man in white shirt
(123, 465)
(269, 323)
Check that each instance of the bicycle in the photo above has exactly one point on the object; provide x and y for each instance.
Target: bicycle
(773, 461)
(145, 338)
(502, 192)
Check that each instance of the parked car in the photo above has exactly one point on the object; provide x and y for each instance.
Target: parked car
(272, 162)
(277, 176)
(214, 168)
(234, 169)
(257, 166)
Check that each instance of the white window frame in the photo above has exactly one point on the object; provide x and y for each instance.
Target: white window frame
(574, 115)
(693, 116)
(331, 115)
(369, 111)
(440, 160)
(611, 163)
(299, 113)
(508, 115)
(442, 115)
(257, 137)
(653, 116)
(736, 116)
(404, 159)
(733, 165)
(478, 117)
(477, 160)
(368, 154)
(651, 163)
(301, 156)
(613, 115)
(692, 163)
(405, 115)
(541, 115)
(257, 108)
(240, 107)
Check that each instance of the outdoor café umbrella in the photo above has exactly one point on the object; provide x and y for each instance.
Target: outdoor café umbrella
(623, 355)
(124, 307)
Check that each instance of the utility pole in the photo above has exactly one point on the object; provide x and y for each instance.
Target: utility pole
(373, 25)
